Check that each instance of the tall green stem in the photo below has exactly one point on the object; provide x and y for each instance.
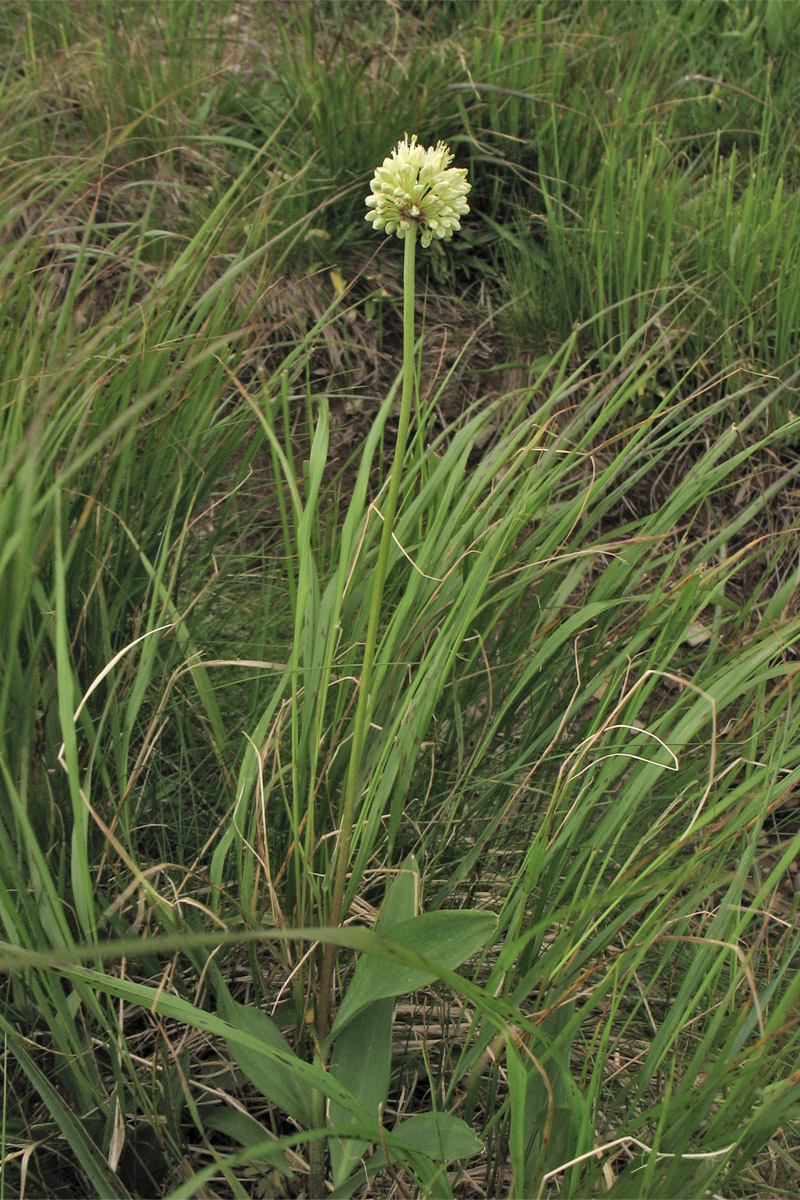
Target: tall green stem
(363, 706)
(317, 1156)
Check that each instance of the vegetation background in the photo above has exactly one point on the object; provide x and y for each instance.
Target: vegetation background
(584, 759)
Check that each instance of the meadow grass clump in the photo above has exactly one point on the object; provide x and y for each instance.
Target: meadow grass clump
(544, 939)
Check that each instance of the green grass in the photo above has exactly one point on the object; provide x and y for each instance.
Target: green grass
(570, 961)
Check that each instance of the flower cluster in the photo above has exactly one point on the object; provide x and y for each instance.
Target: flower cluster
(418, 187)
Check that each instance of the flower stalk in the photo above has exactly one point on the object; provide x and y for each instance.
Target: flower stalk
(379, 578)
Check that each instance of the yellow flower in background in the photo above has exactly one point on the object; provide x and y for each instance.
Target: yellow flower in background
(418, 187)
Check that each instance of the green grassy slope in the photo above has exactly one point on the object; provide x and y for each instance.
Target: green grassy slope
(583, 757)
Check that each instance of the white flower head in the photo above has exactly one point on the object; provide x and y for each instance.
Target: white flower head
(418, 187)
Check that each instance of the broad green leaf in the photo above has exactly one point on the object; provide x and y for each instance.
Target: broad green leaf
(517, 1091)
(530, 1112)
(362, 1053)
(273, 1079)
(248, 1132)
(439, 1136)
(361, 1061)
(446, 939)
(402, 899)
(234, 1124)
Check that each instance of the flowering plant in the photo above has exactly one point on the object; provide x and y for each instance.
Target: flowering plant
(416, 187)
(415, 190)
